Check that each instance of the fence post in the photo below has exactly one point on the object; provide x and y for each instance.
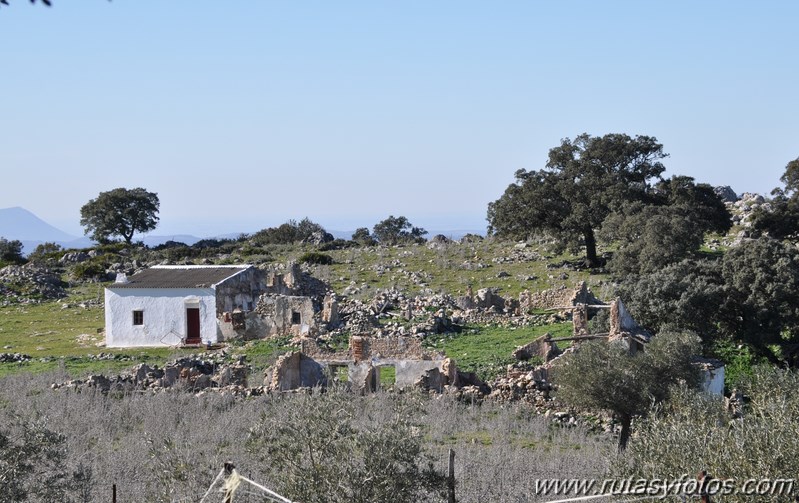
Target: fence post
(113, 493)
(451, 477)
(229, 467)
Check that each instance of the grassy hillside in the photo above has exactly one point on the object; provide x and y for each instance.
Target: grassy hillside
(68, 331)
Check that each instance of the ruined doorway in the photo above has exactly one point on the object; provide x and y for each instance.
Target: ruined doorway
(387, 376)
(193, 325)
(339, 373)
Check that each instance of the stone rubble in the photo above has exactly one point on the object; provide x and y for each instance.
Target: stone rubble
(195, 374)
(14, 358)
(29, 283)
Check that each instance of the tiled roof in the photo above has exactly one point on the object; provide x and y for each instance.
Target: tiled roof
(179, 277)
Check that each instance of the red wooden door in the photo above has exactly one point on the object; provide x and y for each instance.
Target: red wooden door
(193, 325)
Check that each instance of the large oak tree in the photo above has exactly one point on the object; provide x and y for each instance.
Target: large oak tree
(120, 212)
(584, 180)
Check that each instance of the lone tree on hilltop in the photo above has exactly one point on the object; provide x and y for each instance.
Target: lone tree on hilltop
(603, 375)
(583, 181)
(120, 212)
(397, 230)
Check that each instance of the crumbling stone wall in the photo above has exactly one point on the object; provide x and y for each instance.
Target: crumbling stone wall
(314, 349)
(580, 320)
(295, 370)
(241, 291)
(557, 297)
(330, 315)
(286, 315)
(542, 347)
(363, 348)
(241, 325)
(365, 355)
(395, 348)
(622, 323)
(293, 281)
(283, 283)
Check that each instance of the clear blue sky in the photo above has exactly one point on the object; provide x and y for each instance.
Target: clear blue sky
(242, 115)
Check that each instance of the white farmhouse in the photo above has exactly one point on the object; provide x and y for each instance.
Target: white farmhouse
(172, 305)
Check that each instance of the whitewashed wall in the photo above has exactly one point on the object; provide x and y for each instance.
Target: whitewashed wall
(164, 315)
(714, 381)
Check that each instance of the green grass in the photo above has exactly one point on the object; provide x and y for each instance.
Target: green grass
(54, 336)
(487, 350)
(49, 330)
(415, 268)
(262, 353)
(388, 376)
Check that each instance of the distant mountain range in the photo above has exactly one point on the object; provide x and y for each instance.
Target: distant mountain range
(19, 223)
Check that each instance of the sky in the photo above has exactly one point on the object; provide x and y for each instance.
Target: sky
(243, 115)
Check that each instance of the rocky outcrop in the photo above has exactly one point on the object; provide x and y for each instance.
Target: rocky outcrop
(29, 283)
(726, 194)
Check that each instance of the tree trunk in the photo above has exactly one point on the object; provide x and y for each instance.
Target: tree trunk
(624, 436)
(591, 259)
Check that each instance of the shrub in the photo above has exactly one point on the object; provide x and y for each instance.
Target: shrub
(32, 463)
(11, 251)
(336, 244)
(363, 237)
(46, 253)
(315, 258)
(91, 269)
(291, 232)
(397, 230)
(328, 454)
(693, 432)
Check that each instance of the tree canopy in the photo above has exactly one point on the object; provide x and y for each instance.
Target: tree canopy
(292, 231)
(669, 229)
(781, 220)
(584, 180)
(120, 212)
(610, 188)
(603, 375)
(750, 295)
(11, 251)
(397, 230)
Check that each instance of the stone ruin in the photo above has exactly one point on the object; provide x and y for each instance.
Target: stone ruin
(533, 384)
(558, 298)
(361, 363)
(292, 303)
(194, 374)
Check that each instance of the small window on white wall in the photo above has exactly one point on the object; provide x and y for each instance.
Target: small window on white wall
(138, 317)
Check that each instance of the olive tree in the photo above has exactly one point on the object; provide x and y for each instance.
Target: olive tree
(326, 453)
(692, 432)
(604, 375)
